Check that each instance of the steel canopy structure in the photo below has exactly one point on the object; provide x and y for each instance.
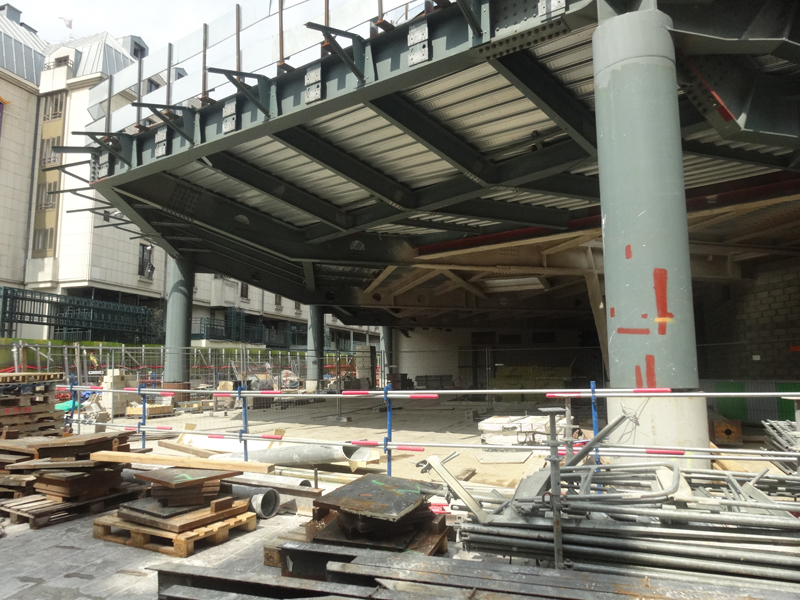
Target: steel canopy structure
(444, 172)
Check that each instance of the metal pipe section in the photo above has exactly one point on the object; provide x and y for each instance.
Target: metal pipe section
(265, 501)
(178, 334)
(684, 561)
(583, 452)
(315, 347)
(301, 455)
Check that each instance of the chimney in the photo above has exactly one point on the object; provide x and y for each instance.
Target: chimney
(11, 13)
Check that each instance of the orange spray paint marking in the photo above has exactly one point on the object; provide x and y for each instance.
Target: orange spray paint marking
(613, 312)
(633, 331)
(660, 287)
(628, 252)
(639, 381)
(650, 370)
(644, 315)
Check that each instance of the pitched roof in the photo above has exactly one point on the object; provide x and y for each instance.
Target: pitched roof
(98, 53)
(21, 51)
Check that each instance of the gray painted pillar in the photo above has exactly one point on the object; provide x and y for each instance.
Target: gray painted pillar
(180, 286)
(387, 351)
(315, 347)
(645, 236)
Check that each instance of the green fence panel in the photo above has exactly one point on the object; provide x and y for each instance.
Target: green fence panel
(732, 408)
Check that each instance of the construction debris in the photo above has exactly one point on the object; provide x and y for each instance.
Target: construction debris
(783, 437)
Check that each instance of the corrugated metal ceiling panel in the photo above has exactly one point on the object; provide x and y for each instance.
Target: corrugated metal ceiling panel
(373, 140)
(228, 187)
(283, 162)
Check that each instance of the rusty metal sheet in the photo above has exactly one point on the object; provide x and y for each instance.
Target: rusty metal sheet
(377, 496)
(177, 477)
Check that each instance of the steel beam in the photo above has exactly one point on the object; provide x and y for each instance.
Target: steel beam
(526, 215)
(525, 73)
(533, 166)
(434, 136)
(455, 47)
(260, 180)
(344, 165)
(784, 162)
(246, 225)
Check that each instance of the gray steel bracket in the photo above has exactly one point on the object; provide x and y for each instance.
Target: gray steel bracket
(262, 86)
(354, 63)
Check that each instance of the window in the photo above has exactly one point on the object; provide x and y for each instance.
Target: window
(107, 216)
(54, 106)
(152, 86)
(297, 307)
(61, 61)
(278, 301)
(243, 291)
(43, 239)
(138, 51)
(145, 264)
(48, 155)
(44, 199)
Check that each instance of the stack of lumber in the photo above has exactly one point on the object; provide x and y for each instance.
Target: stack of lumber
(187, 505)
(47, 480)
(27, 405)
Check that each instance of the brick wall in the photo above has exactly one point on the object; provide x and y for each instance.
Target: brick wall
(759, 317)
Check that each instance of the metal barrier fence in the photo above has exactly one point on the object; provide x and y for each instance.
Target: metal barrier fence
(106, 367)
(387, 396)
(465, 369)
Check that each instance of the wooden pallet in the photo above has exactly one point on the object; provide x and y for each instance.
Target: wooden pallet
(180, 545)
(33, 422)
(39, 512)
(30, 377)
(32, 399)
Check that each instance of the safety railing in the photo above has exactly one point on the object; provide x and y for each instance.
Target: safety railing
(256, 36)
(571, 448)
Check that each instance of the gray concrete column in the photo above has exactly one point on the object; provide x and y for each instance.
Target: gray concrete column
(387, 351)
(180, 287)
(315, 347)
(645, 236)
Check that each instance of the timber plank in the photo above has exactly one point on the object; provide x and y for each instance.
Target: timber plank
(189, 462)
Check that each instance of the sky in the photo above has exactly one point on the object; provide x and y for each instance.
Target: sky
(157, 22)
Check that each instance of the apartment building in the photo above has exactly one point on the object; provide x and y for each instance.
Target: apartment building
(21, 62)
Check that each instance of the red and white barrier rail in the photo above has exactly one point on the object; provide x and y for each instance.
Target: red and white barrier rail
(436, 394)
(609, 450)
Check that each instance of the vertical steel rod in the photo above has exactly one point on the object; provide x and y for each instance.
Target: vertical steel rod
(388, 400)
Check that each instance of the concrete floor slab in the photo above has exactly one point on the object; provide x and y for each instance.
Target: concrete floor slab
(64, 562)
